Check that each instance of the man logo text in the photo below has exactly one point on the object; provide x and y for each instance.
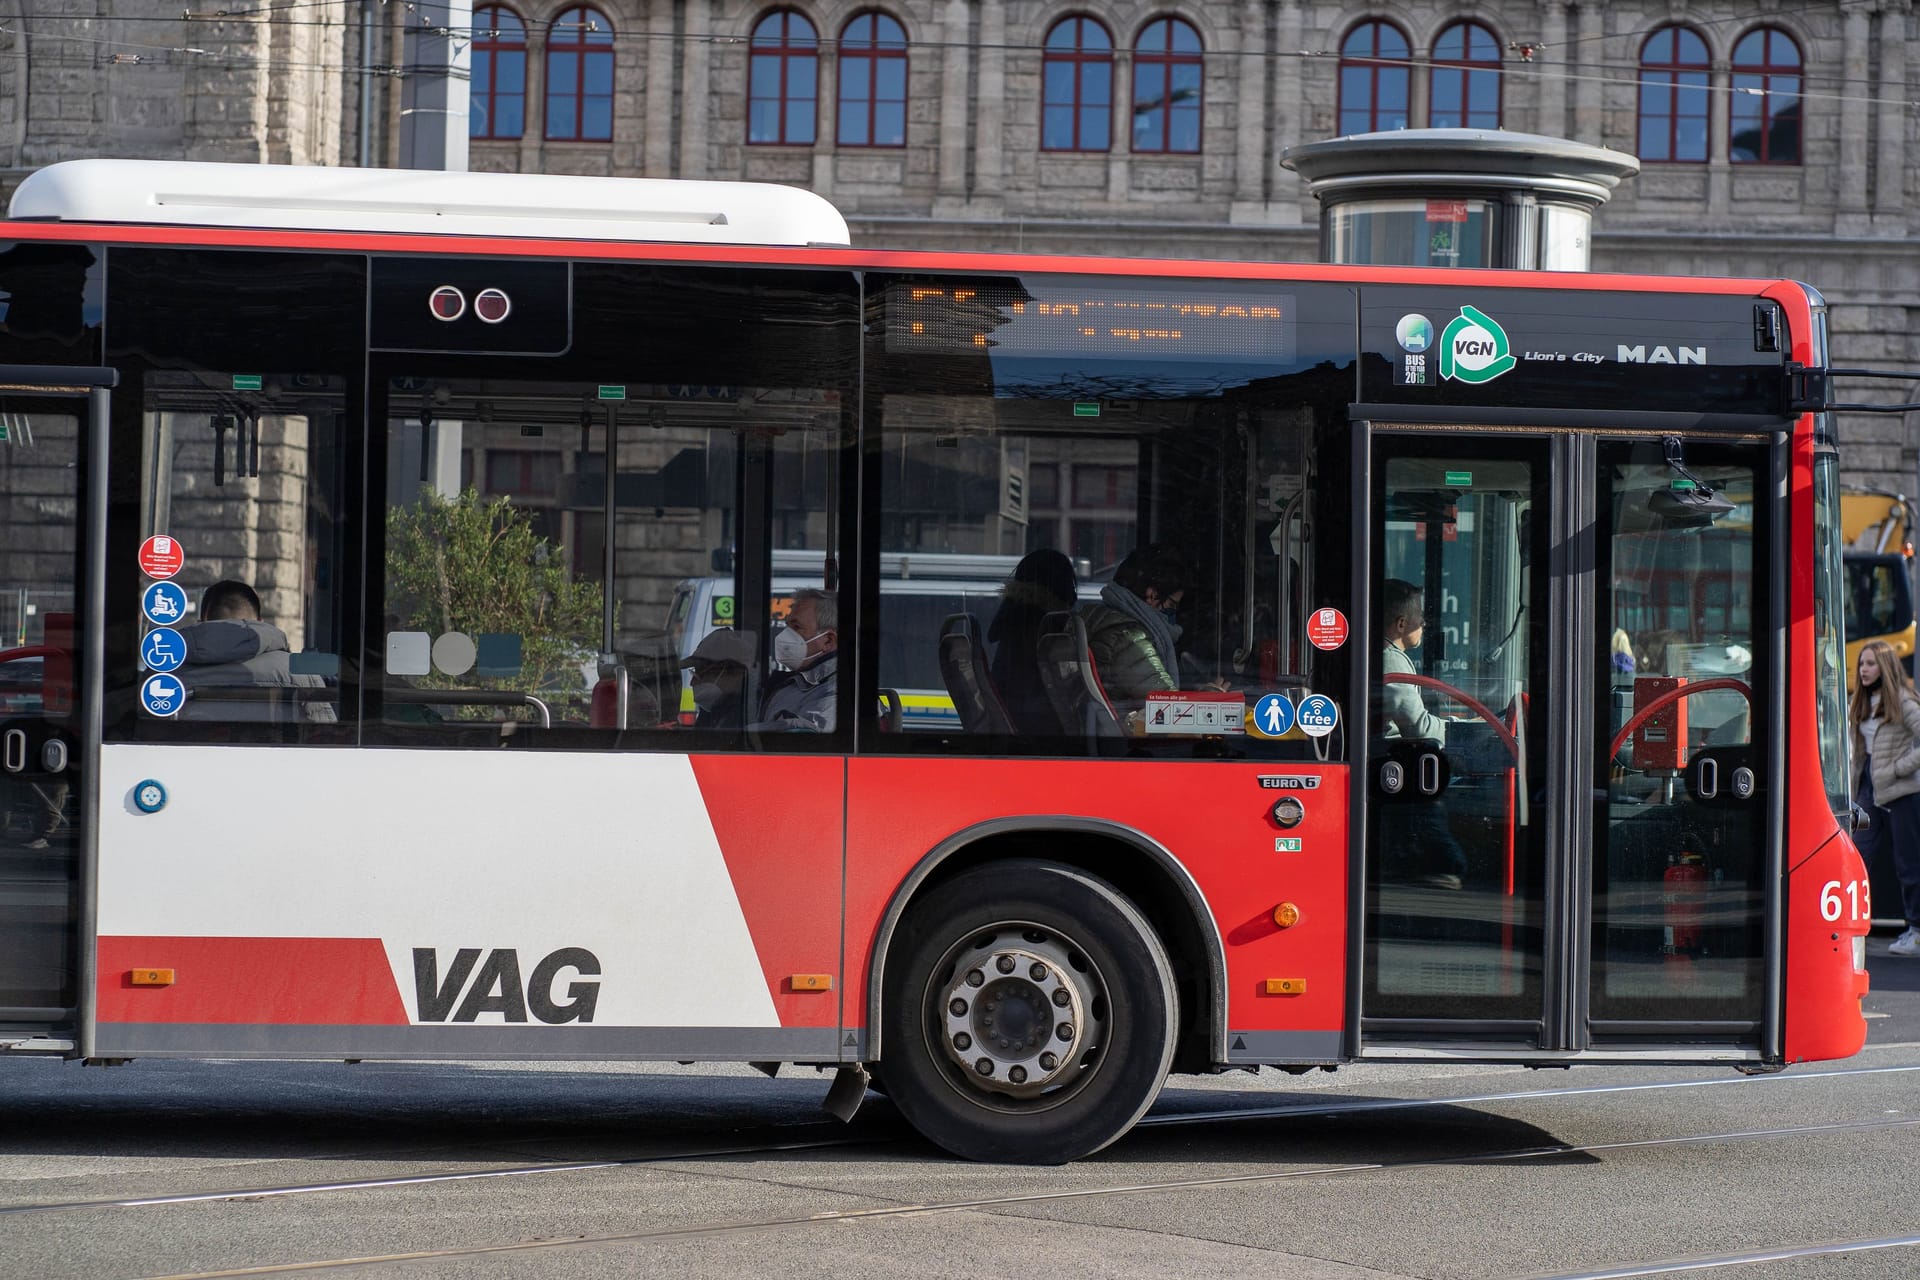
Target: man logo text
(1661, 355)
(497, 987)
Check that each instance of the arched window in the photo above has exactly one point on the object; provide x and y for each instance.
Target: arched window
(580, 77)
(1766, 99)
(1076, 96)
(497, 94)
(1465, 85)
(873, 82)
(1374, 79)
(1674, 73)
(783, 85)
(1166, 87)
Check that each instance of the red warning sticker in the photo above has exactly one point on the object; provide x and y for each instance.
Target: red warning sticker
(161, 557)
(1327, 629)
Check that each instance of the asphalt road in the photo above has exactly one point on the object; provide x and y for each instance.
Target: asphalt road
(168, 1169)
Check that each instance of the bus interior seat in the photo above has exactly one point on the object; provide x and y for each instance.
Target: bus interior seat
(1072, 685)
(963, 667)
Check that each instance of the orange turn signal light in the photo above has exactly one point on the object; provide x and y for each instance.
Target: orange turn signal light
(151, 977)
(1286, 986)
(1286, 915)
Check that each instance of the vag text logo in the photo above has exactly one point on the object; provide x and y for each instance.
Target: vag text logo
(497, 987)
(1473, 348)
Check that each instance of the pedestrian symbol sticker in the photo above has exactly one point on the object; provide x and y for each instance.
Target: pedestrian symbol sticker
(1318, 715)
(164, 604)
(1272, 716)
(161, 557)
(162, 695)
(163, 650)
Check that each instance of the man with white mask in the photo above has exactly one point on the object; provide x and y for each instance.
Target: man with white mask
(802, 698)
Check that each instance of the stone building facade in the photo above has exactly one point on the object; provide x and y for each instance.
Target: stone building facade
(667, 88)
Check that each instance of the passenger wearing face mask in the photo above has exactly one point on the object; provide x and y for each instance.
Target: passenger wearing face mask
(1133, 632)
(719, 678)
(802, 698)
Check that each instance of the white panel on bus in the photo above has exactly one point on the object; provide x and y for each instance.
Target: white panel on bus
(313, 198)
(438, 850)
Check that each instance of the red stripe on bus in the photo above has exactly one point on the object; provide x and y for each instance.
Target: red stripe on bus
(778, 821)
(269, 981)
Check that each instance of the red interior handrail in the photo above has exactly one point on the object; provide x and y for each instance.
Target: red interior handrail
(1667, 699)
(1466, 700)
(32, 651)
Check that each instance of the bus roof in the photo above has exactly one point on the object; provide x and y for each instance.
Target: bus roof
(313, 198)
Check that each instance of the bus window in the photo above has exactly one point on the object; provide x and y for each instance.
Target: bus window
(1831, 631)
(241, 484)
(1110, 492)
(498, 616)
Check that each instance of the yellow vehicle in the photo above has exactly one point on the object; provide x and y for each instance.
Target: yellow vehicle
(1876, 528)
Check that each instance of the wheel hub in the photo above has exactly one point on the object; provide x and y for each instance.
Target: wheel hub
(1015, 1016)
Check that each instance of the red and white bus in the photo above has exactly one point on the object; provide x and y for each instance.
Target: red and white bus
(463, 436)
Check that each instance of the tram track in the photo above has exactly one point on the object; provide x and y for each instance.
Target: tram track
(832, 1136)
(989, 1204)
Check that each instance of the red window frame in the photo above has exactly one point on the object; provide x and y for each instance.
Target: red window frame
(788, 47)
(1167, 57)
(862, 55)
(1771, 75)
(1373, 61)
(1469, 66)
(494, 38)
(1079, 56)
(1661, 72)
(583, 35)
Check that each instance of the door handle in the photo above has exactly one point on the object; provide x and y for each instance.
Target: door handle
(1429, 773)
(1706, 781)
(13, 756)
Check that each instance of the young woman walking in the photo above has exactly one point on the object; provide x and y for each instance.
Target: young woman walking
(1886, 732)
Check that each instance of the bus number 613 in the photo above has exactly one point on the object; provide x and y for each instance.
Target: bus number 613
(1858, 903)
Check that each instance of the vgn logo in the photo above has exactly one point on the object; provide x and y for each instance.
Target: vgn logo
(498, 989)
(1473, 347)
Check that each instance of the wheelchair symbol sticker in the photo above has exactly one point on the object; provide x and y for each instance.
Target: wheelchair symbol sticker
(1319, 716)
(1272, 716)
(162, 695)
(163, 650)
(164, 604)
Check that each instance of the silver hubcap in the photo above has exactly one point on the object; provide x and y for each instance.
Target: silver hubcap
(1021, 1012)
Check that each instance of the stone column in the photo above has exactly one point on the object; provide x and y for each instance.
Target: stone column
(1250, 160)
(1719, 125)
(990, 112)
(953, 103)
(656, 156)
(1289, 117)
(1120, 157)
(1552, 66)
(696, 93)
(826, 118)
(1889, 205)
(1589, 105)
(533, 136)
(1853, 121)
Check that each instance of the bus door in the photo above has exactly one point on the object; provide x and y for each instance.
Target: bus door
(49, 723)
(1566, 803)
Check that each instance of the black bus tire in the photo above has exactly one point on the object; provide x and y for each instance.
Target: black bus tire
(1028, 1014)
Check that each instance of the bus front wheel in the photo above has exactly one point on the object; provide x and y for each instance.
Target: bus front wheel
(1029, 1014)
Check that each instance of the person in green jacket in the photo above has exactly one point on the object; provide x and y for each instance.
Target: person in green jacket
(1134, 630)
